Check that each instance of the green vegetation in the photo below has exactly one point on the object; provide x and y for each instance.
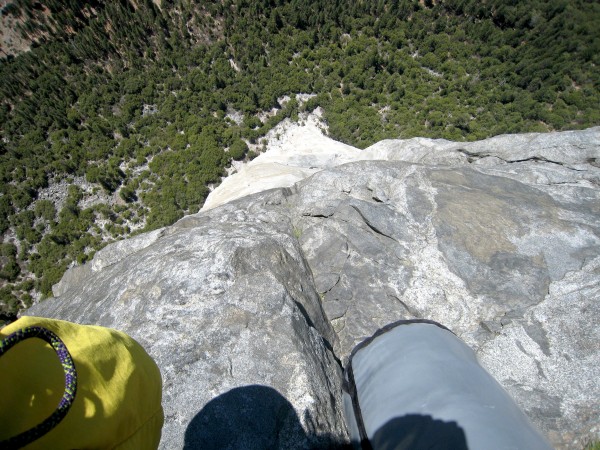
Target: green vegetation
(131, 104)
(238, 150)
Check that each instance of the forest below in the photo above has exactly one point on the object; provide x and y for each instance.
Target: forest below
(134, 108)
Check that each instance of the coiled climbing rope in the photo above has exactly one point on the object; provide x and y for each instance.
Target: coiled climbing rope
(68, 397)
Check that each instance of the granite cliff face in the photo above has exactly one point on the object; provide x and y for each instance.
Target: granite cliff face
(251, 307)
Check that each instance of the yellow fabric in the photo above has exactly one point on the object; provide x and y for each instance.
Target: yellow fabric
(118, 401)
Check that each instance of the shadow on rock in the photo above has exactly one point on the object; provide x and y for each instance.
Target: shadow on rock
(252, 417)
(418, 432)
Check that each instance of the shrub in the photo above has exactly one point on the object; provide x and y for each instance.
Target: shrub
(238, 150)
(8, 250)
(8, 302)
(11, 270)
(45, 209)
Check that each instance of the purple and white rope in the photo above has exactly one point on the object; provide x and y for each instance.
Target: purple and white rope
(70, 383)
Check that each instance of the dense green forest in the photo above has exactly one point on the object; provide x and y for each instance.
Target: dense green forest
(130, 102)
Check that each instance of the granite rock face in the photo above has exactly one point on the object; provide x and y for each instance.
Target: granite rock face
(263, 297)
(225, 305)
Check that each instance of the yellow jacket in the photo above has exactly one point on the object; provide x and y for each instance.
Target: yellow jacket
(118, 400)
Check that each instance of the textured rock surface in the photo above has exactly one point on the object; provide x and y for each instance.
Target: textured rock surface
(499, 240)
(225, 305)
(294, 152)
